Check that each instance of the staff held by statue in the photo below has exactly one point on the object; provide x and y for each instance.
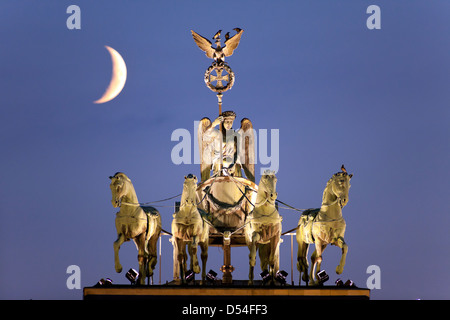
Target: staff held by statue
(219, 71)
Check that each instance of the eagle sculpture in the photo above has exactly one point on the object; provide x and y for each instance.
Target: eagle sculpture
(218, 53)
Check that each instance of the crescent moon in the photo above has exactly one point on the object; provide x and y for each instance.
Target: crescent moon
(118, 79)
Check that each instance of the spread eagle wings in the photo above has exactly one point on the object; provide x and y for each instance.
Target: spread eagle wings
(232, 43)
(204, 44)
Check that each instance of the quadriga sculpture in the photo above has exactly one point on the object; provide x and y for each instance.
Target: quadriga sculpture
(323, 226)
(189, 228)
(263, 228)
(140, 224)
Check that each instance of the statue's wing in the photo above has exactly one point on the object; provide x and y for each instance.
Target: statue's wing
(247, 148)
(232, 43)
(204, 44)
(205, 149)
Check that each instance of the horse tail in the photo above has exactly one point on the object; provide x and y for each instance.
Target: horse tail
(146, 234)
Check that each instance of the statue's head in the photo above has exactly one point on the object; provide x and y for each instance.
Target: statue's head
(228, 119)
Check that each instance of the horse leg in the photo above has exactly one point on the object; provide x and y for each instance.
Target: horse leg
(264, 259)
(176, 267)
(313, 264)
(273, 248)
(204, 256)
(185, 259)
(341, 244)
(251, 267)
(181, 258)
(120, 240)
(193, 253)
(302, 261)
(152, 255)
(142, 258)
(252, 256)
(316, 261)
(263, 253)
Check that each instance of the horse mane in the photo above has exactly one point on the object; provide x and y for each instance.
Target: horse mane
(121, 174)
(183, 194)
(325, 191)
(132, 191)
(268, 172)
(260, 197)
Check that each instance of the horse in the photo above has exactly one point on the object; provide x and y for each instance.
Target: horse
(323, 226)
(135, 222)
(263, 228)
(189, 228)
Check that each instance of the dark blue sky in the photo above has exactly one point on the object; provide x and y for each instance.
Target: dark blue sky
(375, 100)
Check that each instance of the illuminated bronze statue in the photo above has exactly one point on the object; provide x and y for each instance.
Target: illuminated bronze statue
(189, 228)
(142, 224)
(263, 228)
(226, 149)
(323, 226)
(218, 53)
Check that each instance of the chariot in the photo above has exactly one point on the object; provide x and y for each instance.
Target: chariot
(227, 208)
(226, 202)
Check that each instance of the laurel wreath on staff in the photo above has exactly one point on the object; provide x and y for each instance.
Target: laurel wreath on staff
(229, 77)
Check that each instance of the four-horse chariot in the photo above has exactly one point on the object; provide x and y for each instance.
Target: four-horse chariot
(227, 209)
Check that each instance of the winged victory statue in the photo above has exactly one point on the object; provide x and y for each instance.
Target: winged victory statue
(238, 150)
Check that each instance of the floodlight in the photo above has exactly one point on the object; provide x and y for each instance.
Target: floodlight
(211, 276)
(190, 275)
(104, 283)
(281, 276)
(265, 275)
(132, 275)
(349, 283)
(322, 277)
(339, 283)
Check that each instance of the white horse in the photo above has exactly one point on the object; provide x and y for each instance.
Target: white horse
(263, 228)
(189, 228)
(324, 226)
(141, 224)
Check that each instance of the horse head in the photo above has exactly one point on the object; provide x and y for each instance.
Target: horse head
(340, 185)
(119, 188)
(267, 187)
(189, 195)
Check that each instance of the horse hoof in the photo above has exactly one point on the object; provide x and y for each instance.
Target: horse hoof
(196, 269)
(339, 269)
(313, 283)
(119, 269)
(250, 282)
